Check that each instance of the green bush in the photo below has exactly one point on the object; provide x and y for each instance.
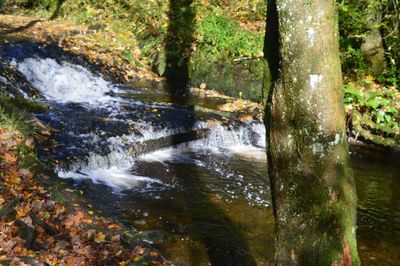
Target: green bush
(219, 33)
(381, 104)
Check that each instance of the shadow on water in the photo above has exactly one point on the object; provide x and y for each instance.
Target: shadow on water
(231, 248)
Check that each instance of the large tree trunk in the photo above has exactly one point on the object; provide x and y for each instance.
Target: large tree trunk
(313, 191)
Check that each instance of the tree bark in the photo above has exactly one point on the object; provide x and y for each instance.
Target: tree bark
(372, 46)
(312, 185)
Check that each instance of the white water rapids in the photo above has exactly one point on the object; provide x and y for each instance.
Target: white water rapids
(64, 82)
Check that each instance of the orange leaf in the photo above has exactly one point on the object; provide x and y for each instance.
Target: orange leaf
(9, 158)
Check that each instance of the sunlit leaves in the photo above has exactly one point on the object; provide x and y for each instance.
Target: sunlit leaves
(99, 238)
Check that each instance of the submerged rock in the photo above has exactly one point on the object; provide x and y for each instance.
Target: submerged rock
(151, 236)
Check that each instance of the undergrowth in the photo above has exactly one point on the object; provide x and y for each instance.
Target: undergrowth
(13, 118)
(377, 108)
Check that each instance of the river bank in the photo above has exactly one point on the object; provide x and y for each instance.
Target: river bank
(43, 220)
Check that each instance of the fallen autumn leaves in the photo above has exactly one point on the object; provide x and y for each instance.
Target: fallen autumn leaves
(34, 230)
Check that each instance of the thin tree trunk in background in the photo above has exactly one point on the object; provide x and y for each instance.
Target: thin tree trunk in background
(372, 47)
(312, 185)
(57, 10)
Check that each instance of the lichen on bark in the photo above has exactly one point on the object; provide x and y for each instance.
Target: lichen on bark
(312, 184)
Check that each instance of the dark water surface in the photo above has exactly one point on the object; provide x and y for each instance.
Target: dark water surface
(212, 214)
(377, 175)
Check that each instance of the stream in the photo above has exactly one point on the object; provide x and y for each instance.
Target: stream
(189, 182)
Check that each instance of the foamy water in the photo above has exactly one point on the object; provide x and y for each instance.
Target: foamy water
(65, 82)
(114, 169)
(246, 141)
(113, 176)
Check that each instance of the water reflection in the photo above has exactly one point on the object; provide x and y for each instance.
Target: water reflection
(378, 188)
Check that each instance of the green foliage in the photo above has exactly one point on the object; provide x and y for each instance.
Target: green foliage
(28, 4)
(31, 7)
(352, 95)
(243, 11)
(128, 56)
(382, 105)
(220, 33)
(15, 115)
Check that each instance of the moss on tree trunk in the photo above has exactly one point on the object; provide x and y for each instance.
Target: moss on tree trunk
(313, 191)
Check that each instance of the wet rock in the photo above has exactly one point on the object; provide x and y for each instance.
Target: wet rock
(168, 141)
(128, 239)
(151, 236)
(110, 93)
(140, 222)
(47, 228)
(7, 211)
(27, 233)
(14, 84)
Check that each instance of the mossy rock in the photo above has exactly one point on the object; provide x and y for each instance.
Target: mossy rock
(241, 77)
(372, 132)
